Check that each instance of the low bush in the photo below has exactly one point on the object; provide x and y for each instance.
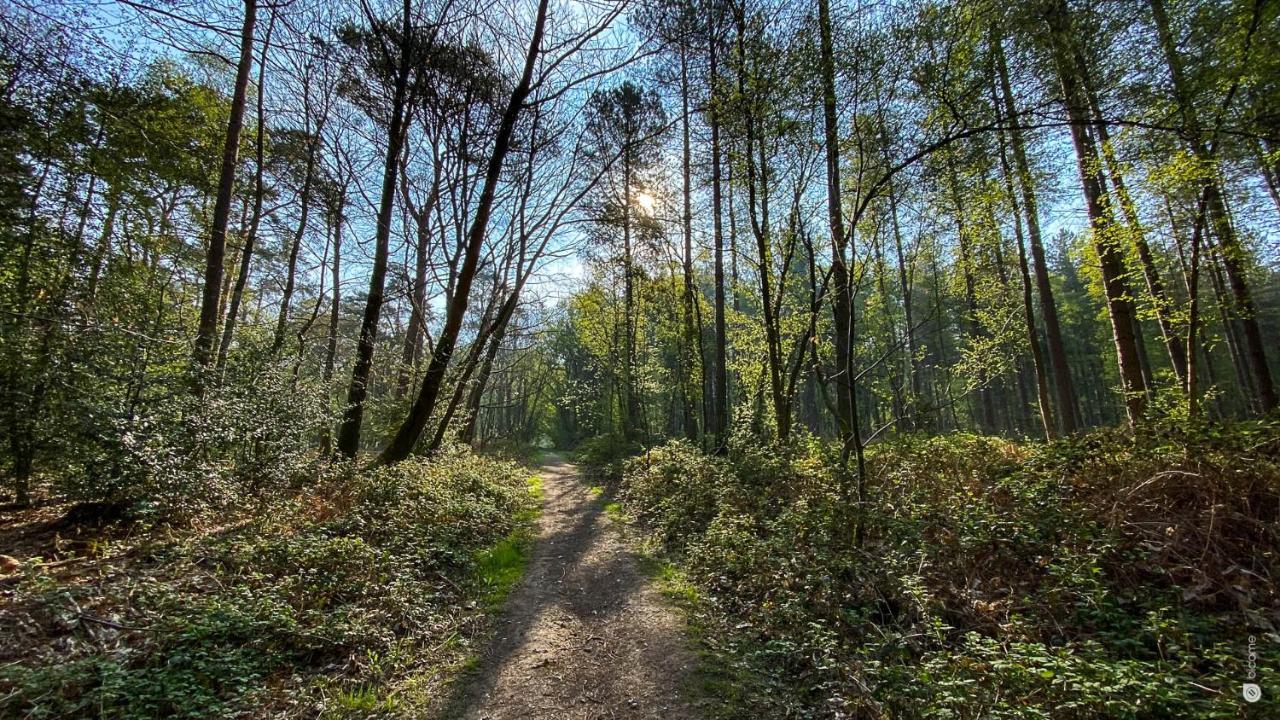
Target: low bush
(606, 453)
(1099, 576)
(182, 454)
(356, 587)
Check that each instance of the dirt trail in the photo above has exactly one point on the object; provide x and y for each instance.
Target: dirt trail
(585, 635)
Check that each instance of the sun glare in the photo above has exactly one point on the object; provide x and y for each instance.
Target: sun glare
(645, 202)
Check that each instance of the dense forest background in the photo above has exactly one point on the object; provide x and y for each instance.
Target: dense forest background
(666, 182)
(876, 261)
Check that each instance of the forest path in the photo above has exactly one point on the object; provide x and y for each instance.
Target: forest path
(585, 635)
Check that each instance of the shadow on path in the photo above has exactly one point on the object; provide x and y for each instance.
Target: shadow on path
(585, 635)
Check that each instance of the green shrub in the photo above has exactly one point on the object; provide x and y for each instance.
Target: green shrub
(184, 454)
(1097, 576)
(351, 580)
(674, 489)
(606, 453)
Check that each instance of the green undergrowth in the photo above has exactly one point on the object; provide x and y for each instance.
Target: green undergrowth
(717, 676)
(1097, 577)
(354, 597)
(501, 566)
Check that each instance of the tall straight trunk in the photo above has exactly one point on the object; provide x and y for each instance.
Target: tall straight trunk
(842, 305)
(692, 343)
(1160, 301)
(255, 218)
(1058, 366)
(409, 432)
(720, 384)
(1028, 306)
(733, 240)
(349, 430)
(1110, 256)
(1022, 416)
(1144, 359)
(1231, 252)
(291, 269)
(904, 286)
(211, 297)
(890, 331)
(946, 401)
(757, 185)
(331, 351)
(1230, 328)
(764, 255)
(630, 397)
(413, 340)
(1197, 357)
(986, 410)
(1190, 386)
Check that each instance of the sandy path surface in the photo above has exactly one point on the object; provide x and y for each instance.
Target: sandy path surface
(585, 635)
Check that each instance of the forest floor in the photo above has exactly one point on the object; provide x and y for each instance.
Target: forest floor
(586, 635)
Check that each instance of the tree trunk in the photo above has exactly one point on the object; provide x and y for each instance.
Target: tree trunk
(1232, 254)
(251, 237)
(1155, 284)
(469, 364)
(213, 271)
(331, 352)
(1057, 365)
(349, 431)
(692, 342)
(1110, 256)
(986, 411)
(467, 433)
(1190, 386)
(630, 401)
(412, 351)
(227, 278)
(890, 331)
(1028, 306)
(842, 305)
(720, 384)
(758, 210)
(292, 267)
(909, 338)
(409, 432)
(1269, 175)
